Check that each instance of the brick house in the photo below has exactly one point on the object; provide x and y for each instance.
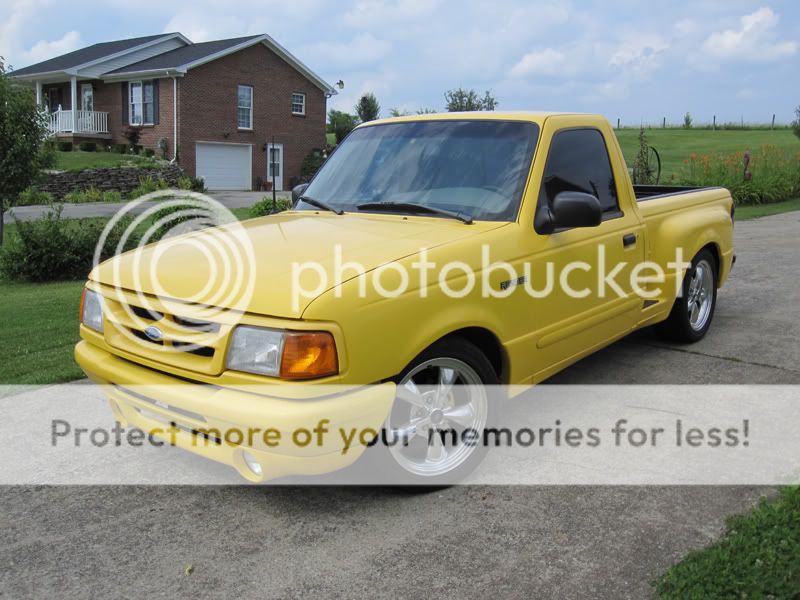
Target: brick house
(217, 106)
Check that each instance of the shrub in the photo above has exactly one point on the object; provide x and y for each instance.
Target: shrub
(119, 148)
(33, 197)
(264, 207)
(796, 122)
(312, 163)
(149, 152)
(87, 146)
(775, 175)
(148, 185)
(52, 248)
(92, 194)
(193, 184)
(132, 133)
(687, 121)
(65, 146)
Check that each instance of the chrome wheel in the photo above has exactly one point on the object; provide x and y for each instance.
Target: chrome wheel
(437, 401)
(700, 295)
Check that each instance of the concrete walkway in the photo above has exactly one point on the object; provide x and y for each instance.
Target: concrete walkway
(107, 209)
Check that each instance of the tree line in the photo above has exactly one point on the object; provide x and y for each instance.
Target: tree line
(368, 108)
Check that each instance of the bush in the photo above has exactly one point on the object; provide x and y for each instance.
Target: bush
(193, 184)
(52, 248)
(33, 197)
(312, 163)
(92, 194)
(65, 146)
(149, 152)
(774, 174)
(148, 185)
(132, 133)
(264, 207)
(687, 121)
(87, 146)
(120, 148)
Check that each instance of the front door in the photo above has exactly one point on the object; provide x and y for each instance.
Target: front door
(275, 166)
(87, 97)
(54, 99)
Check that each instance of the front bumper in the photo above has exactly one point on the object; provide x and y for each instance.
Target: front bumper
(221, 423)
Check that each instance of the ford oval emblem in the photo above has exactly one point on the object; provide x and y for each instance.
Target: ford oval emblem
(154, 333)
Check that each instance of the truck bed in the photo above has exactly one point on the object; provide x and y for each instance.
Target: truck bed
(649, 192)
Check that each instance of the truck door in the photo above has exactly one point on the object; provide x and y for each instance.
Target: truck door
(587, 312)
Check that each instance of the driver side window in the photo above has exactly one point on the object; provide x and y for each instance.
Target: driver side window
(578, 162)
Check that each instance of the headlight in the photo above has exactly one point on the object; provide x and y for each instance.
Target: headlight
(92, 310)
(285, 354)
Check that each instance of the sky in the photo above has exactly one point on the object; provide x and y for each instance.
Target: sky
(638, 61)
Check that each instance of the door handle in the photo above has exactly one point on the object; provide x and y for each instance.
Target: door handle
(629, 239)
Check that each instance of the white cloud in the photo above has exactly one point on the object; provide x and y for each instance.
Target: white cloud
(685, 27)
(376, 13)
(363, 49)
(43, 49)
(756, 40)
(639, 55)
(539, 62)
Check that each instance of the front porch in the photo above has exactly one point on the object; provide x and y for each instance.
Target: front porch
(74, 123)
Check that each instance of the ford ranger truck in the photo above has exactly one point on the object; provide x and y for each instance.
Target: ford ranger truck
(540, 192)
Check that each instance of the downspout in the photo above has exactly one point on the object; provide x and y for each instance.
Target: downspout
(174, 119)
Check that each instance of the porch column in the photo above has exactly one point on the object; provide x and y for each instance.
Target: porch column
(73, 88)
(38, 94)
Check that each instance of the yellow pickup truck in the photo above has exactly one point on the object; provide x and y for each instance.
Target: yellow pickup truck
(432, 262)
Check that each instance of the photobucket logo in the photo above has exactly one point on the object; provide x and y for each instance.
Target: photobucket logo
(599, 278)
(211, 274)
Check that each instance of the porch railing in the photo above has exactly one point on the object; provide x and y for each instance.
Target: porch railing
(81, 121)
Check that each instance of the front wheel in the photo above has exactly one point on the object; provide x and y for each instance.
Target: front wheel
(693, 311)
(446, 398)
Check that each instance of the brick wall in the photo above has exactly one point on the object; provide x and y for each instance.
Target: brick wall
(207, 109)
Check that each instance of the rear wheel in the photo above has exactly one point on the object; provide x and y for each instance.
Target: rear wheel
(693, 311)
(445, 392)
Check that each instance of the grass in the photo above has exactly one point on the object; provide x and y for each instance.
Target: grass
(758, 557)
(745, 213)
(77, 160)
(676, 145)
(40, 330)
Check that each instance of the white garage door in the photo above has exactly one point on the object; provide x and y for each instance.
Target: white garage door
(225, 166)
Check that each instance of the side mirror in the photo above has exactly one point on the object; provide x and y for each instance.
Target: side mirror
(298, 191)
(576, 209)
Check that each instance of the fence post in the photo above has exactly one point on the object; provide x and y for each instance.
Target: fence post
(773, 122)
(617, 122)
(714, 126)
(664, 123)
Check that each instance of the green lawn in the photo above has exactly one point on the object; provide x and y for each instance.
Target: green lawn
(676, 145)
(758, 557)
(744, 213)
(77, 160)
(40, 329)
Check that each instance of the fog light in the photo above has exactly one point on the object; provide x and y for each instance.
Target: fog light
(252, 463)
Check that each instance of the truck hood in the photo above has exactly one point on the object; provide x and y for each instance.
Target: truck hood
(252, 265)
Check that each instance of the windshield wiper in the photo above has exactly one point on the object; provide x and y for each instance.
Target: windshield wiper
(414, 208)
(320, 204)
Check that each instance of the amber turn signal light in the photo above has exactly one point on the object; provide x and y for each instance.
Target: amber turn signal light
(308, 355)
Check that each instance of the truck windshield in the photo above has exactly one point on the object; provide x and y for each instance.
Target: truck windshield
(474, 167)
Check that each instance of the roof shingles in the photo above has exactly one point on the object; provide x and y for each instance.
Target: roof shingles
(85, 55)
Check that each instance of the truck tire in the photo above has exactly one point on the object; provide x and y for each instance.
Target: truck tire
(447, 389)
(693, 311)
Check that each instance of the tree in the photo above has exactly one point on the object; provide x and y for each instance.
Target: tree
(23, 132)
(468, 100)
(796, 122)
(426, 111)
(396, 112)
(341, 123)
(368, 108)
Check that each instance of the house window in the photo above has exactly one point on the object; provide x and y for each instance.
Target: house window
(244, 108)
(140, 95)
(298, 104)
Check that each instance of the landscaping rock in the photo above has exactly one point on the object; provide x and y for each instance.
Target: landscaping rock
(119, 179)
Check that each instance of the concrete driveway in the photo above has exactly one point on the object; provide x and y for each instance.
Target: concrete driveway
(516, 542)
(108, 209)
